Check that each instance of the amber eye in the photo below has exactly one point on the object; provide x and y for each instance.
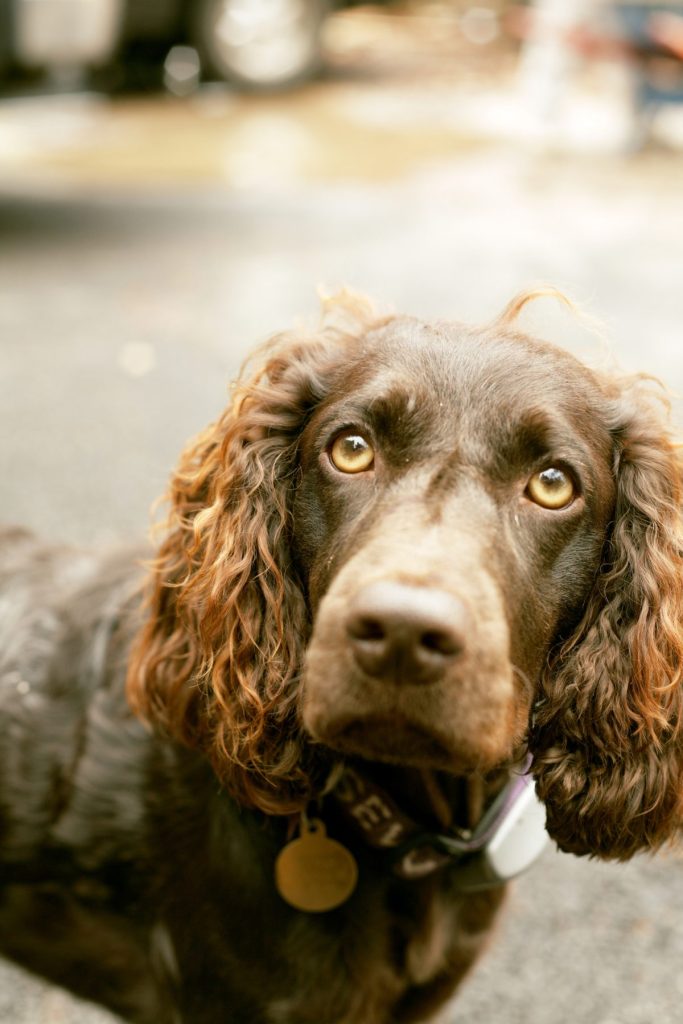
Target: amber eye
(551, 488)
(351, 453)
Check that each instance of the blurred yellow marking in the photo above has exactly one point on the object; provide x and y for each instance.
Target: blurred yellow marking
(317, 134)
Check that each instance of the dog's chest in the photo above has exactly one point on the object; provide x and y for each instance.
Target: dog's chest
(361, 974)
(426, 949)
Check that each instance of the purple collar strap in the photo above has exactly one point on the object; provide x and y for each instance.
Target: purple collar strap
(509, 837)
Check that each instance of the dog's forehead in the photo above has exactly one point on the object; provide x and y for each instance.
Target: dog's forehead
(449, 369)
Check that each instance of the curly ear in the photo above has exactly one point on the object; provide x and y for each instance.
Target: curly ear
(217, 662)
(606, 737)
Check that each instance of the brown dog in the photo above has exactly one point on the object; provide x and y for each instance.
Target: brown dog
(408, 554)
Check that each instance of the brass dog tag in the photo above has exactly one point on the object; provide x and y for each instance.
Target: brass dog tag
(313, 872)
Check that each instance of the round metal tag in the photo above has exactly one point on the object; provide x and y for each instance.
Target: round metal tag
(315, 873)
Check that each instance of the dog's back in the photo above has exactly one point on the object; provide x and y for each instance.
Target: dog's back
(65, 734)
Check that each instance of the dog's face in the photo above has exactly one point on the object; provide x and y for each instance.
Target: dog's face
(449, 522)
(399, 540)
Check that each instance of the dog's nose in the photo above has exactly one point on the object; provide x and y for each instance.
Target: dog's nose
(406, 633)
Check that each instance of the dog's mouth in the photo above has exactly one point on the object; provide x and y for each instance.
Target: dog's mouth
(391, 741)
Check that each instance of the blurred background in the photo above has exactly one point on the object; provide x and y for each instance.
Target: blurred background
(178, 178)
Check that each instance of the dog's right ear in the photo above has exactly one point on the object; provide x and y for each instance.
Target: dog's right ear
(218, 660)
(607, 738)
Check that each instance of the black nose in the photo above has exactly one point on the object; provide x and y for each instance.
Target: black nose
(406, 633)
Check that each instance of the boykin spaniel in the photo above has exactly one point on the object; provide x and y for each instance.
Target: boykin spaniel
(251, 778)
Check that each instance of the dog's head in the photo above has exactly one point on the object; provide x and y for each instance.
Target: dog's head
(429, 545)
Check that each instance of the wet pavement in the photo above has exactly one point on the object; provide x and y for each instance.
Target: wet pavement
(147, 245)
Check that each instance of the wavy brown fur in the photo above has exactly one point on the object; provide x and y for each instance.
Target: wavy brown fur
(218, 661)
(606, 737)
(426, 616)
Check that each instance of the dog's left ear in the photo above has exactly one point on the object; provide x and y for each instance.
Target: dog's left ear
(606, 737)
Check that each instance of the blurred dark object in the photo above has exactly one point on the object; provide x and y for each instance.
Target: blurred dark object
(140, 44)
(259, 42)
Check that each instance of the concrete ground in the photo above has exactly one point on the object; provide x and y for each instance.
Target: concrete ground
(146, 247)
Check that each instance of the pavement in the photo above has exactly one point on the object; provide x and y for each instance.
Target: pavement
(147, 246)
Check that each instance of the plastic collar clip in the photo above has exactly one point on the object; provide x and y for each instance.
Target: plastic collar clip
(509, 838)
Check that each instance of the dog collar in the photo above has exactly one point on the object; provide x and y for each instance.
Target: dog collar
(507, 840)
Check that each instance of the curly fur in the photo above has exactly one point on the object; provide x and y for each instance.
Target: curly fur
(606, 737)
(150, 849)
(219, 660)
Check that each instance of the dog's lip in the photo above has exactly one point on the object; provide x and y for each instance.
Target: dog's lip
(393, 740)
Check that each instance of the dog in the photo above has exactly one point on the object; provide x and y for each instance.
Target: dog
(248, 779)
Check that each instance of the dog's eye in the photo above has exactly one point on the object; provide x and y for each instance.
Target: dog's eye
(351, 453)
(551, 488)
